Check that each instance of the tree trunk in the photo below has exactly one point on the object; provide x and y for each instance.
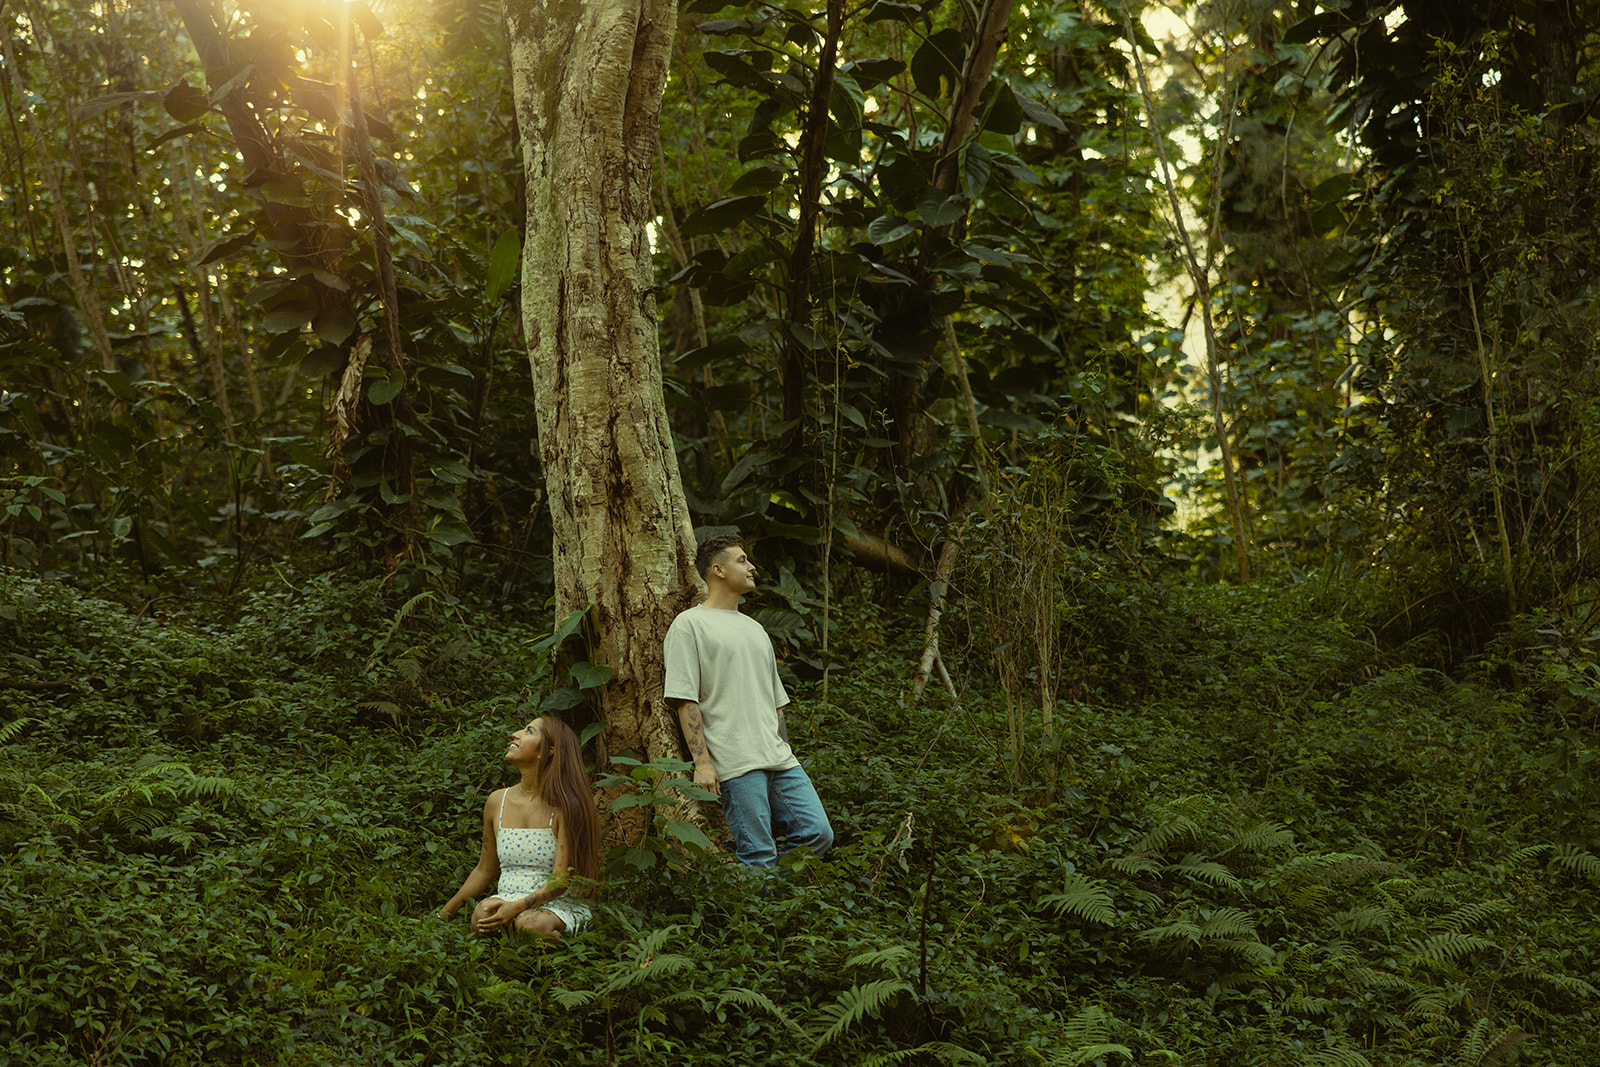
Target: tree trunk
(588, 79)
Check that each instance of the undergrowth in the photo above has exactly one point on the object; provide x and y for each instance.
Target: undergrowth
(224, 836)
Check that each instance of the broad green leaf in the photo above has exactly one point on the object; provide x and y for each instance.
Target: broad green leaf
(589, 675)
(939, 209)
(889, 229)
(288, 317)
(562, 699)
(335, 325)
(185, 102)
(937, 64)
(384, 390)
(688, 833)
(723, 215)
(1037, 112)
(504, 260)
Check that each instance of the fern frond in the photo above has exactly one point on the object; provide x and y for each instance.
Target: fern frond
(653, 942)
(1253, 952)
(1336, 1057)
(1261, 836)
(1355, 920)
(1561, 983)
(1087, 898)
(1523, 855)
(1088, 1054)
(1177, 930)
(942, 1051)
(1476, 1041)
(1309, 898)
(854, 1004)
(1448, 947)
(574, 998)
(184, 838)
(1134, 865)
(1574, 859)
(1238, 979)
(1495, 1051)
(893, 958)
(1314, 1007)
(10, 730)
(1091, 1025)
(1372, 978)
(1206, 871)
(53, 812)
(1473, 915)
(749, 998)
(1178, 829)
(1228, 922)
(650, 969)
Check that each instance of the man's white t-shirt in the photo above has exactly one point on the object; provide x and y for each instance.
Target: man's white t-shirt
(723, 660)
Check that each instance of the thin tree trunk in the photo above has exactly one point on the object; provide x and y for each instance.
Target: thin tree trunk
(588, 79)
(69, 245)
(1200, 276)
(813, 165)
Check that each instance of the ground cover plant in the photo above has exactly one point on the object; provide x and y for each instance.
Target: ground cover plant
(225, 832)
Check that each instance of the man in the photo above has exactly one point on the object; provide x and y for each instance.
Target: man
(723, 677)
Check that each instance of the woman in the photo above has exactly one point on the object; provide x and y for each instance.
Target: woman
(536, 836)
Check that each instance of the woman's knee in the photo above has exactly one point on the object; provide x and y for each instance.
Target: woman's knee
(542, 922)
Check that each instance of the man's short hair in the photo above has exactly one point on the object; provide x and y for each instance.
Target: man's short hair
(710, 548)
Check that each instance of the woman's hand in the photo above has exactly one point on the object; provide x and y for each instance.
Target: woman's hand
(496, 915)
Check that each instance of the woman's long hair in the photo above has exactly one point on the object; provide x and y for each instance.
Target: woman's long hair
(566, 788)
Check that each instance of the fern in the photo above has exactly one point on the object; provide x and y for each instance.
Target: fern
(1473, 915)
(1448, 947)
(1086, 1037)
(1336, 1057)
(1355, 920)
(854, 1004)
(749, 998)
(572, 999)
(649, 968)
(1087, 898)
(942, 1051)
(1561, 983)
(1484, 1048)
(10, 730)
(1574, 859)
(1091, 1025)
(1523, 855)
(893, 958)
(1372, 978)
(1177, 930)
(1205, 871)
(1228, 922)
(1260, 836)
(1134, 865)
(1252, 952)
(1179, 829)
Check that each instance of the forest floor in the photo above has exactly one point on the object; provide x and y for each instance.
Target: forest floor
(1255, 838)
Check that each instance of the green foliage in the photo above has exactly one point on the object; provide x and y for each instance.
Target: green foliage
(672, 837)
(1253, 874)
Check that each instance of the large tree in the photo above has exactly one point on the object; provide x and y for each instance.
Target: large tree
(588, 79)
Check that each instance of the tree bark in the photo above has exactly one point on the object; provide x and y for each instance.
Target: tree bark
(588, 79)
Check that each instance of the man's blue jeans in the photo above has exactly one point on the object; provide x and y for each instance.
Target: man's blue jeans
(756, 802)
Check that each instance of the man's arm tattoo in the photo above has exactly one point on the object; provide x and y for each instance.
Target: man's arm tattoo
(694, 731)
(783, 725)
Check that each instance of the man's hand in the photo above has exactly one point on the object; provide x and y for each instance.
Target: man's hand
(705, 776)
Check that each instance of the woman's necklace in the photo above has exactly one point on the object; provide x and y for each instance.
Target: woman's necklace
(530, 794)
